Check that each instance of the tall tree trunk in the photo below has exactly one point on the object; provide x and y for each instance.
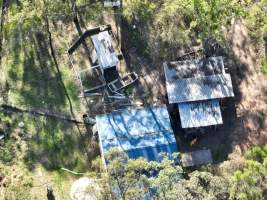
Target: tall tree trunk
(78, 21)
(265, 45)
(53, 54)
(5, 4)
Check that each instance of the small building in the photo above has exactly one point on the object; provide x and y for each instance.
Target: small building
(140, 132)
(197, 86)
(106, 55)
(195, 158)
(100, 47)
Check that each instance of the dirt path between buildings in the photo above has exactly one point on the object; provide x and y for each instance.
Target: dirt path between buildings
(245, 121)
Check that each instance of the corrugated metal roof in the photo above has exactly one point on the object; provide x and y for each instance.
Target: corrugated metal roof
(106, 54)
(199, 88)
(197, 80)
(139, 132)
(195, 68)
(199, 114)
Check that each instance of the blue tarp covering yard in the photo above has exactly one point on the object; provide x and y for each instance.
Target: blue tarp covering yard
(142, 132)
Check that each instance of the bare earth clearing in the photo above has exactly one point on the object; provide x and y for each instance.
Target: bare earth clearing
(245, 121)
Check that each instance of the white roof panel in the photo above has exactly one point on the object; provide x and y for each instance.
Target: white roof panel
(106, 54)
(200, 88)
(200, 114)
(195, 68)
(197, 80)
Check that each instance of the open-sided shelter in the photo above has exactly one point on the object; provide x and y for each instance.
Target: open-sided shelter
(196, 86)
(106, 55)
(140, 132)
(98, 46)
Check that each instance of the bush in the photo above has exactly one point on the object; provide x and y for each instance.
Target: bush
(258, 153)
(264, 66)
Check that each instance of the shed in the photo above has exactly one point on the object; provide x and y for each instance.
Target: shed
(196, 80)
(140, 132)
(196, 86)
(106, 54)
(200, 157)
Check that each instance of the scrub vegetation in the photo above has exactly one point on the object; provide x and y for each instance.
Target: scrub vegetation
(35, 75)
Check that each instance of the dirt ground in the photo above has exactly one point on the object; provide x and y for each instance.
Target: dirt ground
(250, 90)
(244, 116)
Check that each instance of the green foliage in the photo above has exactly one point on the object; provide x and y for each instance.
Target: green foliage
(204, 185)
(174, 20)
(264, 66)
(172, 24)
(235, 180)
(246, 184)
(257, 153)
(139, 10)
(25, 15)
(8, 152)
(214, 15)
(125, 176)
(256, 19)
(167, 182)
(52, 146)
(249, 182)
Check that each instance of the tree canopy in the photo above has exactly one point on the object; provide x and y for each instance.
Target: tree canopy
(133, 179)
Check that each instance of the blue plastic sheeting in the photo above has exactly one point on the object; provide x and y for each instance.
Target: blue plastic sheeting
(200, 114)
(142, 132)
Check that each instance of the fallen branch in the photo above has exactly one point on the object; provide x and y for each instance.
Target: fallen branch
(76, 173)
(46, 113)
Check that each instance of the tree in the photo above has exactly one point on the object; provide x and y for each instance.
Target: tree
(126, 178)
(204, 185)
(174, 20)
(251, 181)
(4, 10)
(167, 183)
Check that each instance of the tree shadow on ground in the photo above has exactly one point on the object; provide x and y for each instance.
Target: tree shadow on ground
(56, 145)
(53, 143)
(240, 62)
(248, 84)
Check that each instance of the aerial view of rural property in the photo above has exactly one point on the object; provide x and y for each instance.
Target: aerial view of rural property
(133, 100)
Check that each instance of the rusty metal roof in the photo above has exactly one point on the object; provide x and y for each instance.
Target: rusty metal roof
(197, 80)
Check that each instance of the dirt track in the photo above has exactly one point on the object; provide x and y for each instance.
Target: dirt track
(251, 90)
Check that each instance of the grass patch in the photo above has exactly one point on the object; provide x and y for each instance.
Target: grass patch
(41, 148)
(263, 68)
(55, 144)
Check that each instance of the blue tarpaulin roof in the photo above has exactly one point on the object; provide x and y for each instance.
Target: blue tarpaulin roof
(139, 132)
